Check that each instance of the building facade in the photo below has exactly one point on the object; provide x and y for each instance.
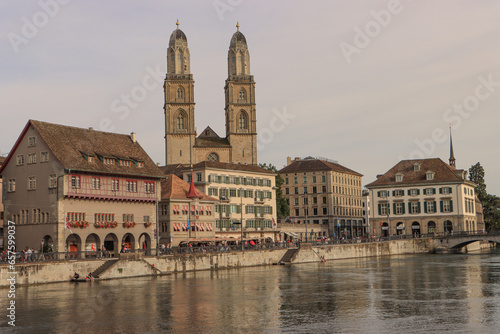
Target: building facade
(325, 195)
(244, 192)
(2, 160)
(184, 217)
(423, 196)
(73, 189)
(182, 143)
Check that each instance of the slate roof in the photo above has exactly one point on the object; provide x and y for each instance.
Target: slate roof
(312, 165)
(71, 145)
(230, 166)
(443, 173)
(176, 188)
(211, 142)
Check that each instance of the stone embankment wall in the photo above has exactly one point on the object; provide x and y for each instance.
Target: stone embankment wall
(134, 266)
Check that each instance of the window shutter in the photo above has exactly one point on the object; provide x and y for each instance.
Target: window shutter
(441, 203)
(409, 192)
(440, 190)
(450, 190)
(419, 210)
(246, 209)
(425, 206)
(435, 207)
(409, 207)
(270, 195)
(403, 207)
(394, 193)
(425, 191)
(434, 191)
(394, 207)
(418, 191)
(379, 210)
(238, 209)
(271, 210)
(451, 205)
(378, 193)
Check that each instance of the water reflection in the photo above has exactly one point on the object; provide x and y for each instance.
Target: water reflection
(425, 293)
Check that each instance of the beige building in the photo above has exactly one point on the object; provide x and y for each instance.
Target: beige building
(326, 195)
(178, 206)
(182, 144)
(423, 196)
(2, 160)
(78, 189)
(244, 192)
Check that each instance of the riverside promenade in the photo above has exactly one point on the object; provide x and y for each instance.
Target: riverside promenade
(139, 264)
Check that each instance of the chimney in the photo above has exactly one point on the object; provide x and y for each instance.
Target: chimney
(91, 128)
(132, 136)
(158, 164)
(297, 158)
(288, 161)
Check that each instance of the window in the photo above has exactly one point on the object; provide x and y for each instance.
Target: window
(242, 96)
(445, 191)
(31, 141)
(232, 192)
(295, 180)
(75, 182)
(296, 190)
(125, 163)
(32, 158)
(147, 220)
(446, 206)
(323, 178)
(314, 190)
(11, 185)
(91, 159)
(399, 208)
(430, 207)
(131, 186)
(315, 211)
(383, 193)
(115, 185)
(325, 211)
(286, 180)
(287, 191)
(323, 189)
(52, 180)
(414, 192)
(429, 191)
(414, 207)
(214, 157)
(399, 177)
(306, 200)
(140, 164)
(305, 190)
(198, 177)
(324, 200)
(149, 187)
(315, 200)
(128, 218)
(20, 160)
(296, 201)
(108, 161)
(305, 179)
(383, 209)
(416, 167)
(180, 93)
(44, 156)
(32, 183)
(96, 183)
(399, 193)
(242, 121)
(180, 122)
(429, 175)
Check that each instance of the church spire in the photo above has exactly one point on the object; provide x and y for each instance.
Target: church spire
(452, 156)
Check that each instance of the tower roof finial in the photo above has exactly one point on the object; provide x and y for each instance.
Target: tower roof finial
(452, 156)
(177, 23)
(237, 25)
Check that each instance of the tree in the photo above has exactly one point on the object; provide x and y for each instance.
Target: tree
(476, 175)
(490, 203)
(282, 208)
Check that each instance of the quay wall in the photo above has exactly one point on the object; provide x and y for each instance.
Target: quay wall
(134, 266)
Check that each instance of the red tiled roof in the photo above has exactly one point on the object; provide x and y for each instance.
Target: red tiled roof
(443, 173)
(230, 166)
(176, 188)
(70, 145)
(311, 165)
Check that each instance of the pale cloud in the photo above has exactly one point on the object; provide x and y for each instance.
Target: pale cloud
(365, 114)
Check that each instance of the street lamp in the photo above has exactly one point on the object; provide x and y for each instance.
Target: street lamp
(306, 212)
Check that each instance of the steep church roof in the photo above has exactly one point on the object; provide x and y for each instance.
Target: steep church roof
(177, 35)
(238, 38)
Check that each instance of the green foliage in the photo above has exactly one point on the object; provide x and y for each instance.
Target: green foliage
(476, 175)
(490, 203)
(282, 208)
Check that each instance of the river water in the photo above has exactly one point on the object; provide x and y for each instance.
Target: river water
(450, 293)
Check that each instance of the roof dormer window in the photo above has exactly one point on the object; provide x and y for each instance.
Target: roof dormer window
(429, 175)
(399, 177)
(416, 167)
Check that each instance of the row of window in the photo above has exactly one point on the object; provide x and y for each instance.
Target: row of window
(232, 192)
(113, 161)
(429, 175)
(195, 210)
(247, 181)
(32, 158)
(414, 192)
(248, 223)
(103, 217)
(37, 216)
(415, 207)
(336, 179)
(324, 211)
(233, 208)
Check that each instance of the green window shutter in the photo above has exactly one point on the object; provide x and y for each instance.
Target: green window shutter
(425, 206)
(271, 210)
(434, 191)
(403, 208)
(378, 194)
(379, 210)
(238, 209)
(441, 204)
(409, 192)
(425, 191)
(450, 190)
(440, 190)
(435, 207)
(246, 209)
(418, 191)
(451, 205)
(237, 180)
(419, 208)
(394, 193)
(409, 207)
(270, 195)
(394, 207)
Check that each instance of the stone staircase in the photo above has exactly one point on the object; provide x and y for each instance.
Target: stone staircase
(287, 258)
(105, 266)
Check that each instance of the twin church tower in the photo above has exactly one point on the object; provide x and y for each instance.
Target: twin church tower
(182, 144)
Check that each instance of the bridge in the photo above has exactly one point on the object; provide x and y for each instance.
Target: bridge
(462, 239)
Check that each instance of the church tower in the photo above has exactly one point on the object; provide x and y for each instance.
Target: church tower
(179, 102)
(241, 122)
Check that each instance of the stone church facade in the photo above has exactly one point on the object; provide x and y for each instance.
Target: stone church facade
(182, 144)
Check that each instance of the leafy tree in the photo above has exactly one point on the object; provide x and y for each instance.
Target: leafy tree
(490, 203)
(476, 175)
(282, 208)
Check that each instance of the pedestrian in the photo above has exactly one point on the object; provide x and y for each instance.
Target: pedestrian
(29, 252)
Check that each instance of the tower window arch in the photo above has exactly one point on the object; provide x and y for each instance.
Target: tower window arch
(243, 120)
(181, 120)
(180, 93)
(242, 95)
(214, 157)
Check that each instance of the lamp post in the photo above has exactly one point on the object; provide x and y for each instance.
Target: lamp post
(306, 212)
(241, 219)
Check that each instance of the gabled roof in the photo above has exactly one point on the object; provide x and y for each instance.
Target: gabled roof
(176, 188)
(71, 146)
(442, 173)
(208, 133)
(312, 165)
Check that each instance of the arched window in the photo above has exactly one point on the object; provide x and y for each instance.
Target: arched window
(242, 95)
(214, 157)
(180, 93)
(242, 121)
(180, 121)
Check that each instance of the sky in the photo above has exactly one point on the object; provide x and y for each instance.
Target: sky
(365, 83)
